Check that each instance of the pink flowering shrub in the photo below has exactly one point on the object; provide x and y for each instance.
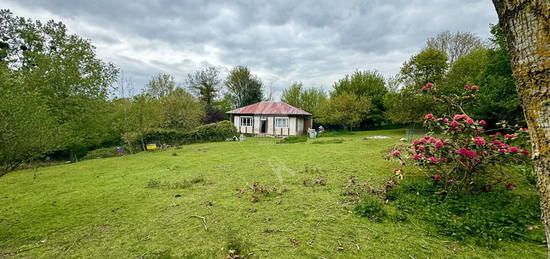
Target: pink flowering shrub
(458, 151)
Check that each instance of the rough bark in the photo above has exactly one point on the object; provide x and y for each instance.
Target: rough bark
(527, 27)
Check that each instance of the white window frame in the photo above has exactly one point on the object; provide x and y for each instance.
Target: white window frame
(246, 121)
(279, 119)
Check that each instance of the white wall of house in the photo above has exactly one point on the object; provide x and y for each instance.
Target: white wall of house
(253, 125)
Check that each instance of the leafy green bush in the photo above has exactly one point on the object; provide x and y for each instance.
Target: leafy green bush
(292, 139)
(370, 206)
(328, 141)
(100, 153)
(484, 218)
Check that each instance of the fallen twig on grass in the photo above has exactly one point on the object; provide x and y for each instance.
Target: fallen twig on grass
(203, 220)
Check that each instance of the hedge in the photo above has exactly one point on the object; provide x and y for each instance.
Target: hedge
(212, 132)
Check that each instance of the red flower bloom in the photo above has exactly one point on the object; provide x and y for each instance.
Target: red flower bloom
(429, 116)
(439, 144)
(454, 123)
(395, 153)
(502, 150)
(445, 120)
(513, 150)
(421, 148)
(437, 177)
(474, 88)
(482, 122)
(525, 152)
(429, 85)
(509, 136)
(466, 152)
(469, 121)
(416, 156)
(466, 87)
(432, 160)
(436, 99)
(480, 141)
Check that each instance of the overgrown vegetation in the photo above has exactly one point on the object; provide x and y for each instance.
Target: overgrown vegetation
(484, 218)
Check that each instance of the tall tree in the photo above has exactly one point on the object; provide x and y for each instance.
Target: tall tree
(205, 84)
(181, 111)
(526, 24)
(64, 71)
(243, 87)
(455, 45)
(365, 83)
(346, 110)
(161, 85)
(306, 99)
(497, 98)
(428, 66)
(27, 129)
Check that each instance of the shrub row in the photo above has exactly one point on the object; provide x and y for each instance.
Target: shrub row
(212, 132)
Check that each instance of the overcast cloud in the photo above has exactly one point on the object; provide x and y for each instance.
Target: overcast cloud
(281, 41)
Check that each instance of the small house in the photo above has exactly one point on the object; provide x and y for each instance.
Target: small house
(271, 119)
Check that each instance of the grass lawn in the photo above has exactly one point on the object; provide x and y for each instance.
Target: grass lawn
(186, 203)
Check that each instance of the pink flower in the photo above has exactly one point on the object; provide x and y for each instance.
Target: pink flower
(396, 170)
(509, 136)
(436, 99)
(482, 122)
(439, 144)
(497, 142)
(416, 156)
(423, 89)
(460, 116)
(513, 150)
(525, 152)
(432, 140)
(432, 160)
(466, 87)
(445, 120)
(395, 153)
(474, 88)
(480, 141)
(429, 85)
(421, 148)
(466, 152)
(416, 142)
(429, 116)
(502, 150)
(454, 123)
(469, 121)
(437, 177)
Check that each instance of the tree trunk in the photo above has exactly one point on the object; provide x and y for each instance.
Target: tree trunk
(527, 27)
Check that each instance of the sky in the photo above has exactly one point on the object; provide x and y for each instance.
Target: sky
(313, 42)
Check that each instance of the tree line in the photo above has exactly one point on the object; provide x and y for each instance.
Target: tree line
(59, 100)
(365, 99)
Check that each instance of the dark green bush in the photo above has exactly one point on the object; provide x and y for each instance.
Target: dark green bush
(100, 153)
(370, 206)
(206, 133)
(484, 218)
(292, 139)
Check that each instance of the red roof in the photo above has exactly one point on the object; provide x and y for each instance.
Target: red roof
(279, 108)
